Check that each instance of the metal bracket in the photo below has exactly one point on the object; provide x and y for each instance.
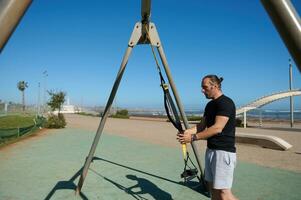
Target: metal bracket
(154, 36)
(139, 35)
(136, 34)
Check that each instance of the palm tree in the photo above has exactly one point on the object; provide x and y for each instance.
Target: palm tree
(22, 85)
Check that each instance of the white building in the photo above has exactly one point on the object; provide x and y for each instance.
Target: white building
(67, 108)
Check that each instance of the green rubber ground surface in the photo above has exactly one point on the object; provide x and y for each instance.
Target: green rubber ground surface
(47, 168)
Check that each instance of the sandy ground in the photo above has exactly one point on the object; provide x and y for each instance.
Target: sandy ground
(157, 131)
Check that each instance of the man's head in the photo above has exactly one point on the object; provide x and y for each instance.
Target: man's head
(211, 86)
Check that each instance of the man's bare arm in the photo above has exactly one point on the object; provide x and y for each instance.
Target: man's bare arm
(201, 126)
(198, 128)
(217, 127)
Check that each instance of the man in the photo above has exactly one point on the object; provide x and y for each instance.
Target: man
(218, 127)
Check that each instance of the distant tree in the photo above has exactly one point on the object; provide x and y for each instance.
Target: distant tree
(56, 100)
(22, 85)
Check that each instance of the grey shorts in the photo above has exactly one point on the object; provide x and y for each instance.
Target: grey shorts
(219, 168)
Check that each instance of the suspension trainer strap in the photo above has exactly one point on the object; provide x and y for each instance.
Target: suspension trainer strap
(169, 105)
(173, 116)
(171, 109)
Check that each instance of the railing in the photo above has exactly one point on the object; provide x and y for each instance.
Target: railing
(14, 133)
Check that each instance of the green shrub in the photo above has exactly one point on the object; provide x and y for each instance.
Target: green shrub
(89, 114)
(194, 118)
(239, 123)
(40, 121)
(55, 121)
(120, 116)
(123, 114)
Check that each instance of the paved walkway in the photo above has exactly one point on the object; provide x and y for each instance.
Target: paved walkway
(164, 134)
(47, 166)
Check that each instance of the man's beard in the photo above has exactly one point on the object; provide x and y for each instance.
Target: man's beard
(207, 96)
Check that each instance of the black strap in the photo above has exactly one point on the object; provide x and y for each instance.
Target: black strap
(169, 105)
(174, 118)
(170, 108)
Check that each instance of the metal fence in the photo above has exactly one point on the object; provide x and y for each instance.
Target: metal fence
(13, 133)
(12, 109)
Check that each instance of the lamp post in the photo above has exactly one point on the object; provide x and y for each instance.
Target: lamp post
(291, 97)
(39, 103)
(45, 75)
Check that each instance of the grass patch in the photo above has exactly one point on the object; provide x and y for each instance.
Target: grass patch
(15, 121)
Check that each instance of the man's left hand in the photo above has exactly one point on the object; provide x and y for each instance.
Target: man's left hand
(184, 138)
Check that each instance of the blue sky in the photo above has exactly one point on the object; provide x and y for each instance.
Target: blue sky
(81, 45)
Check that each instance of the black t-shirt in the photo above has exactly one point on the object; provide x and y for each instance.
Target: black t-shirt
(222, 106)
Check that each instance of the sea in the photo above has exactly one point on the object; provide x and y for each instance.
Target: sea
(256, 113)
(274, 114)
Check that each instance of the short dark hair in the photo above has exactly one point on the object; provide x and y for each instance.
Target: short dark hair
(215, 80)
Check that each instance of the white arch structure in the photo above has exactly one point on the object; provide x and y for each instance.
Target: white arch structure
(272, 142)
(267, 99)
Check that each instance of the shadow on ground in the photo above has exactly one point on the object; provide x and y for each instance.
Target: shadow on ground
(194, 185)
(141, 187)
(67, 185)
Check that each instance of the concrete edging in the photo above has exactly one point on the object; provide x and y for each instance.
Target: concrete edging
(266, 141)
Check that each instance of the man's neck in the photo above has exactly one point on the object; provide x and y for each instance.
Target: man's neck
(217, 95)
